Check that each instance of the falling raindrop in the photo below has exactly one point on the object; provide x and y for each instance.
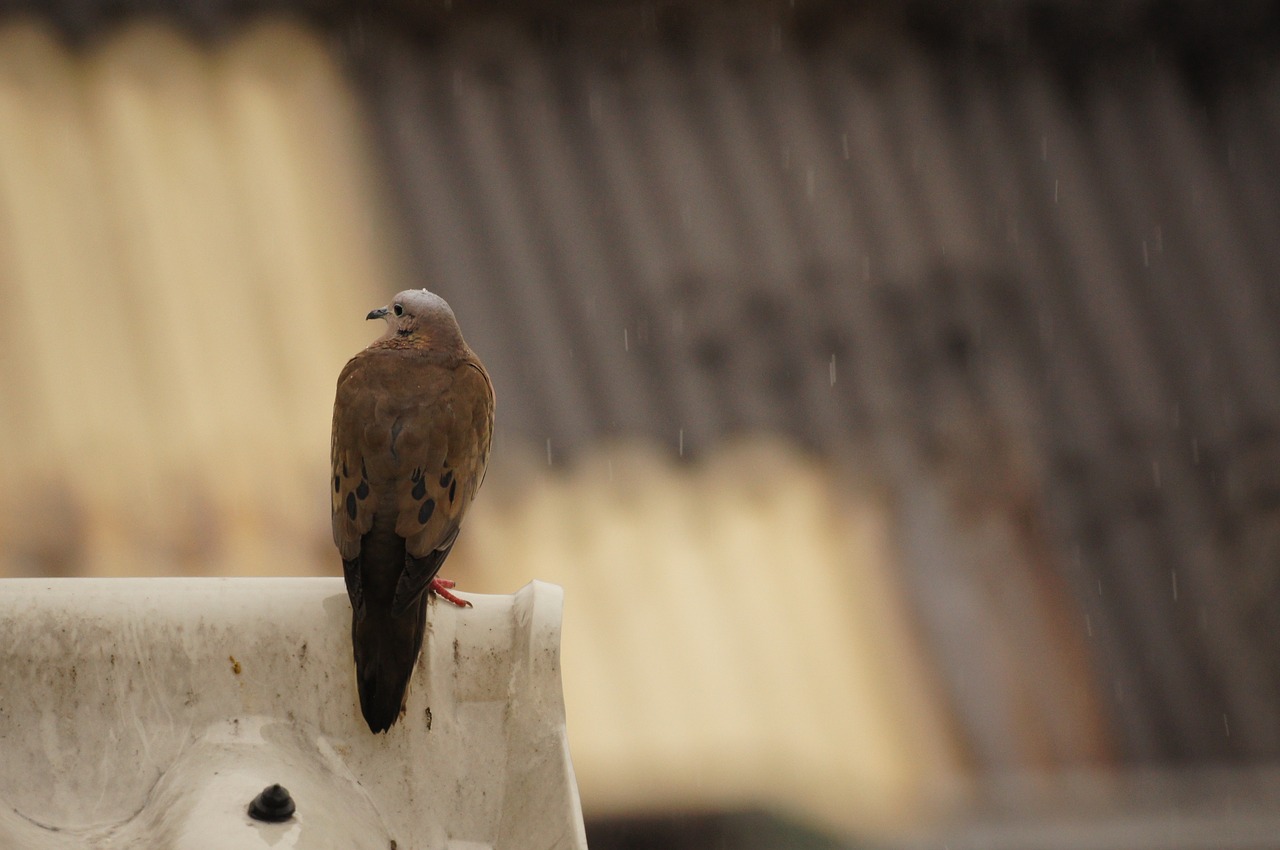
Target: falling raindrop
(548, 451)
(1055, 191)
(1226, 724)
(831, 370)
(1146, 258)
(1044, 148)
(626, 341)
(1088, 625)
(680, 442)
(844, 144)
(808, 183)
(1173, 575)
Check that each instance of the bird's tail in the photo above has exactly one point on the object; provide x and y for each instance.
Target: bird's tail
(386, 651)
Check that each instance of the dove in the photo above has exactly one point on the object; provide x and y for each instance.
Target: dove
(412, 428)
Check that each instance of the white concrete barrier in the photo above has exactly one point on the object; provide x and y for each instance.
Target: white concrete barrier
(148, 713)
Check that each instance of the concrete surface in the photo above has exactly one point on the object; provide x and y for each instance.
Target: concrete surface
(150, 712)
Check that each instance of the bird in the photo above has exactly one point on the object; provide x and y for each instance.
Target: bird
(412, 430)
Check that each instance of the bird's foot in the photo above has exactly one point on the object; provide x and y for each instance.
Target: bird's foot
(440, 587)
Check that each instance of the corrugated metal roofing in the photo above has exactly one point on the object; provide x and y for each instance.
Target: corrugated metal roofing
(188, 240)
(730, 638)
(1035, 287)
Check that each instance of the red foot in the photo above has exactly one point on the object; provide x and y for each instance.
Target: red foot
(440, 587)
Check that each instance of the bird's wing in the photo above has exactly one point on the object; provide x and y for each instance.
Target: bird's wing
(445, 452)
(352, 499)
(423, 426)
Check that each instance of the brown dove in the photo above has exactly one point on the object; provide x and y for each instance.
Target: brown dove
(412, 426)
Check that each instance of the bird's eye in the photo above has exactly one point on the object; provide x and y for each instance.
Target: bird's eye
(398, 310)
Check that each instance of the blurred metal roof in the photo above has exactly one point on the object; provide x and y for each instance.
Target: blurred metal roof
(1026, 284)
(184, 270)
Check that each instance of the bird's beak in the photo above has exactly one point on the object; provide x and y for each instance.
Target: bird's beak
(380, 313)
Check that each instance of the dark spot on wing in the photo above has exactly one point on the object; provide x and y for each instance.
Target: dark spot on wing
(446, 478)
(337, 483)
(351, 505)
(345, 473)
(425, 512)
(420, 489)
(362, 492)
(453, 490)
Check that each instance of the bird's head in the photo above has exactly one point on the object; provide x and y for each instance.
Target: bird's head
(420, 319)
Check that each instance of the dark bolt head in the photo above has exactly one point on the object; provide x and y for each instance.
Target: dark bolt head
(273, 805)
